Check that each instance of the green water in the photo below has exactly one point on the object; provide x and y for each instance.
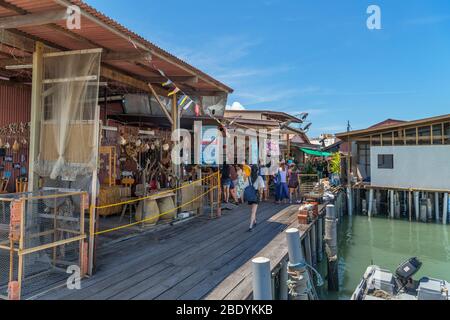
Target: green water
(388, 243)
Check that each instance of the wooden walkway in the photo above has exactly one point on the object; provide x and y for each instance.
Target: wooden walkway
(186, 261)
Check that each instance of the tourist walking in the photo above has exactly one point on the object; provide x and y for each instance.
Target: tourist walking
(226, 182)
(293, 184)
(252, 197)
(282, 192)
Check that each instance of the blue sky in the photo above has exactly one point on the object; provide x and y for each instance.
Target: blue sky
(314, 56)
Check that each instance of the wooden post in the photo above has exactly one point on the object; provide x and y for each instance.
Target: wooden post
(349, 180)
(308, 249)
(314, 243)
(436, 206)
(21, 247)
(320, 239)
(417, 205)
(176, 168)
(36, 113)
(219, 195)
(371, 200)
(410, 205)
(445, 209)
(332, 248)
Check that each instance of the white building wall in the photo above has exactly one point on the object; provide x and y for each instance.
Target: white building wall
(426, 167)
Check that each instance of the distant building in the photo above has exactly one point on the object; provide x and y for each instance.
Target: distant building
(402, 154)
(292, 137)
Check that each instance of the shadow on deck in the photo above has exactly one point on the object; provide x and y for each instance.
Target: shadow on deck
(186, 261)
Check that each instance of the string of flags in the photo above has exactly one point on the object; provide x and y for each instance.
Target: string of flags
(184, 101)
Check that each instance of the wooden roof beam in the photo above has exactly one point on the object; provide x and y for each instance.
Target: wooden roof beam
(177, 79)
(114, 75)
(126, 56)
(33, 19)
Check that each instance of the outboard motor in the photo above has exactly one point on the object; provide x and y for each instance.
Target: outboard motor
(408, 269)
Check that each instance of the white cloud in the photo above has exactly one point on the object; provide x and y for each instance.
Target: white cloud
(236, 106)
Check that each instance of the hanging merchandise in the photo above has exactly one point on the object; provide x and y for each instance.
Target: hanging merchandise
(23, 159)
(197, 110)
(16, 146)
(7, 146)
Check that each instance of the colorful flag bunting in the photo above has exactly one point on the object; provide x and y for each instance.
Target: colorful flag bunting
(188, 105)
(182, 100)
(174, 92)
(165, 84)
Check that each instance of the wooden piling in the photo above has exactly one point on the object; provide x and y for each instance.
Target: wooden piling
(331, 248)
(308, 249)
(320, 239)
(436, 206)
(445, 209)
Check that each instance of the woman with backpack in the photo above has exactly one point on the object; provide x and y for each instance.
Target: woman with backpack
(251, 195)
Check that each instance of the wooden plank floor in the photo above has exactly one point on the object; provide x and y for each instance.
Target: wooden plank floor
(186, 261)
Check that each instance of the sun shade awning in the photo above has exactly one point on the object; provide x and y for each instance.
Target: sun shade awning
(316, 153)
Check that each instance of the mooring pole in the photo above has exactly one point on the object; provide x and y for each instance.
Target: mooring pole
(297, 271)
(262, 280)
(331, 248)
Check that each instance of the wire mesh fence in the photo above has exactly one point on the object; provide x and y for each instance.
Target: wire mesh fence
(42, 234)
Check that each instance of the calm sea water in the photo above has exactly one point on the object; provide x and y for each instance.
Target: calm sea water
(387, 243)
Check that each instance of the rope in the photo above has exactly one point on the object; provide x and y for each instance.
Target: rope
(154, 195)
(153, 218)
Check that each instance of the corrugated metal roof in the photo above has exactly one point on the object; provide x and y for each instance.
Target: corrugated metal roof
(394, 126)
(100, 30)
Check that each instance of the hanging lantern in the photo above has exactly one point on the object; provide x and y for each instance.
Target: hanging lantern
(153, 147)
(166, 147)
(146, 148)
(7, 145)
